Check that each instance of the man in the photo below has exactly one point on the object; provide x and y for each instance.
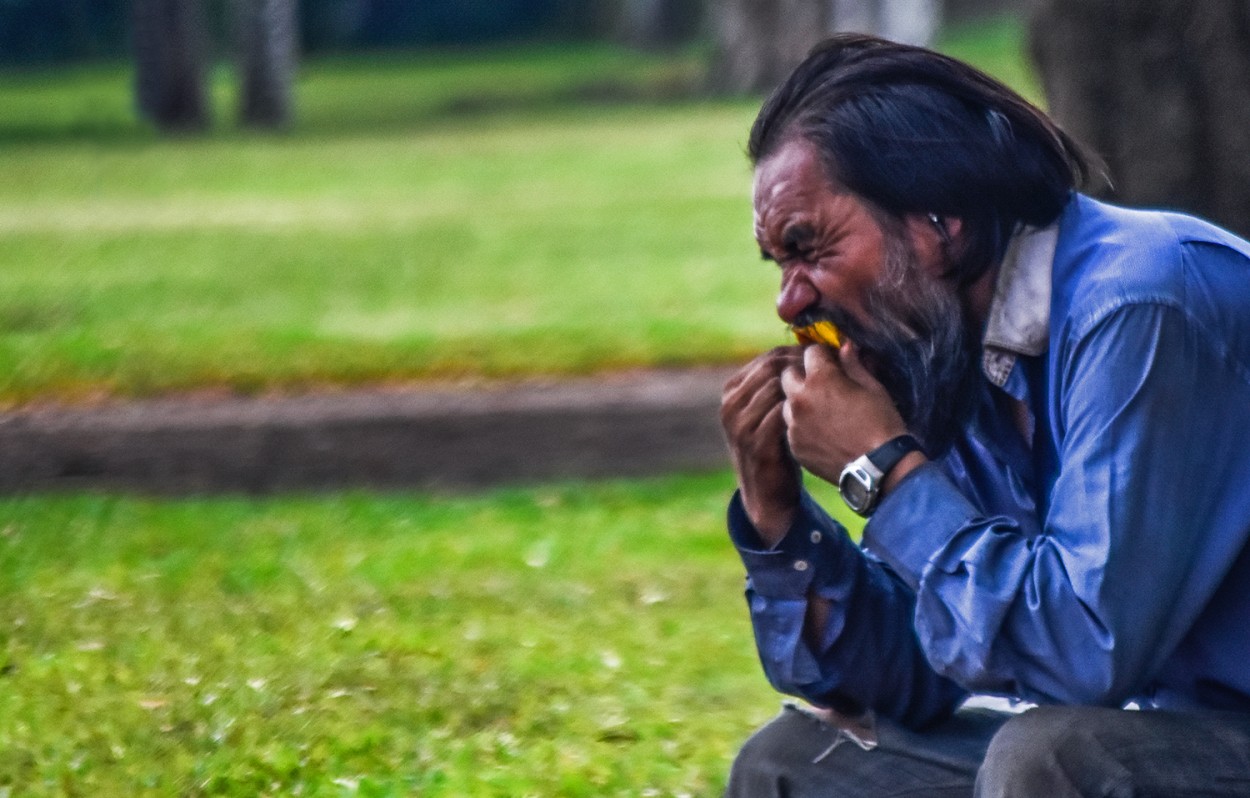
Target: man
(1040, 403)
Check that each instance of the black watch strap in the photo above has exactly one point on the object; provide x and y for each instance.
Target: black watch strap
(887, 455)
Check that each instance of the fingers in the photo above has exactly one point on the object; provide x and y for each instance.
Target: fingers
(841, 366)
(825, 363)
(740, 391)
(791, 382)
(775, 359)
(762, 403)
(759, 372)
(753, 392)
(848, 357)
(819, 364)
(817, 359)
(773, 424)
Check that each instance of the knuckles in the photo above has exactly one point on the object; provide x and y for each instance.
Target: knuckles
(742, 416)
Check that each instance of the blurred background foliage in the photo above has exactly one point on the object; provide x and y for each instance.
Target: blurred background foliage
(34, 32)
(63, 31)
(466, 189)
(512, 210)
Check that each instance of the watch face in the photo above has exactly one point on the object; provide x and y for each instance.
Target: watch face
(855, 493)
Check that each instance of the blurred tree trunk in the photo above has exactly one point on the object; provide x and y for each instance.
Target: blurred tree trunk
(907, 21)
(758, 42)
(169, 50)
(267, 45)
(1161, 90)
(657, 24)
(911, 21)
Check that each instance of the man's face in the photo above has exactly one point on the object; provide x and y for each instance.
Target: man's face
(839, 264)
(829, 247)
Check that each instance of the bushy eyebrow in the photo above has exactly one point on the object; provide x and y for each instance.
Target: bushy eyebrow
(797, 236)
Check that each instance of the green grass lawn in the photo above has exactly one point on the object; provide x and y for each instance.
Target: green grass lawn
(428, 217)
(559, 641)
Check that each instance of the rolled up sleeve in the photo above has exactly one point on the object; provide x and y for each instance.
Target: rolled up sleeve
(866, 654)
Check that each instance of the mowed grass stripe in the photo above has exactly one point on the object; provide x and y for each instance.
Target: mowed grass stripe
(435, 217)
(542, 248)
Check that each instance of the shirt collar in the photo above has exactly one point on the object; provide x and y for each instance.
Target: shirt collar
(1019, 317)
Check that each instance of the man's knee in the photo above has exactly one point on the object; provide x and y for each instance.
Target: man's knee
(799, 755)
(796, 755)
(1021, 758)
(773, 757)
(1082, 751)
(754, 767)
(1052, 751)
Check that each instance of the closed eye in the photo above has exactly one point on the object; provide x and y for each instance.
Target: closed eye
(797, 240)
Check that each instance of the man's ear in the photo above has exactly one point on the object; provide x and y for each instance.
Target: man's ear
(935, 240)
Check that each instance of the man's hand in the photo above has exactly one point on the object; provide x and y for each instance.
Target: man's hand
(835, 410)
(751, 415)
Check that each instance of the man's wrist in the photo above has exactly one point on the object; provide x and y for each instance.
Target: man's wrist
(910, 462)
(863, 482)
(771, 525)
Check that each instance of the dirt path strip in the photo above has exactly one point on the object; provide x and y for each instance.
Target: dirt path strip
(431, 438)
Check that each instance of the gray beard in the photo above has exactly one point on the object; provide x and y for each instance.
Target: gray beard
(920, 347)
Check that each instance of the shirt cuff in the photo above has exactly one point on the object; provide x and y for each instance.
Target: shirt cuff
(806, 553)
(915, 520)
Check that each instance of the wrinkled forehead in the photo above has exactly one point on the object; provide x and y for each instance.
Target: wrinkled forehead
(795, 160)
(787, 181)
(769, 195)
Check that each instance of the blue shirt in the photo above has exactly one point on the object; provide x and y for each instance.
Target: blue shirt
(1099, 559)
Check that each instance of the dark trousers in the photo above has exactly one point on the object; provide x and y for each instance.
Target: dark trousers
(1048, 752)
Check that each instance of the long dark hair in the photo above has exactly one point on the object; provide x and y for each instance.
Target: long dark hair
(913, 131)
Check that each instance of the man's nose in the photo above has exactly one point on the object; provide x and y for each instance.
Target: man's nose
(797, 295)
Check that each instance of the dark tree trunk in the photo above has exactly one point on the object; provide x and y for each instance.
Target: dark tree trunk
(169, 49)
(758, 42)
(657, 24)
(267, 33)
(1160, 89)
(907, 21)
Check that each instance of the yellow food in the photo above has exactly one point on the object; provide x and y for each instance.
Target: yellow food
(822, 332)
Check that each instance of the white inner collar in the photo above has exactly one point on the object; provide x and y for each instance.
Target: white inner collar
(1019, 318)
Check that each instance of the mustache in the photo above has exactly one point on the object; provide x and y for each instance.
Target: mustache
(871, 344)
(835, 316)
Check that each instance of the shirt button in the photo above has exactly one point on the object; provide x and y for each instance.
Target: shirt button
(800, 565)
(816, 535)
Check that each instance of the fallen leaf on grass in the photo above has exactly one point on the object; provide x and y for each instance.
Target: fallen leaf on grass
(345, 624)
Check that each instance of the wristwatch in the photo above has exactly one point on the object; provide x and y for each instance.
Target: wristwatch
(860, 482)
